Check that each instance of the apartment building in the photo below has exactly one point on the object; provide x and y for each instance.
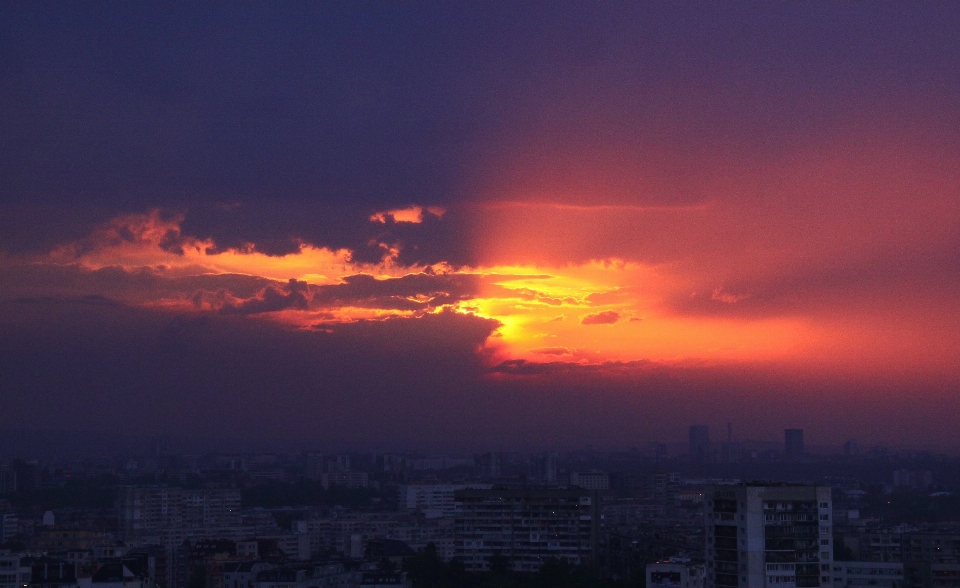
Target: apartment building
(776, 536)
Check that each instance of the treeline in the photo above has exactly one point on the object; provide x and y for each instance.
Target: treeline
(93, 492)
(427, 570)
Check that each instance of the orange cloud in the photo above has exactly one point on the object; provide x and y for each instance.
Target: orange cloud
(543, 305)
(607, 317)
(411, 214)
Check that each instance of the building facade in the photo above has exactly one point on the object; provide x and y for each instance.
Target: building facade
(527, 526)
(768, 536)
(931, 560)
(865, 574)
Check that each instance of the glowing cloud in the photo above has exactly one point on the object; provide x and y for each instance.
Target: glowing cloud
(411, 214)
(607, 317)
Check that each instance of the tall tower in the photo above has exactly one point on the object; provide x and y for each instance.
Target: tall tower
(793, 443)
(768, 536)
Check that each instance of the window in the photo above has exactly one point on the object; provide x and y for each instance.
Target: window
(824, 542)
(824, 517)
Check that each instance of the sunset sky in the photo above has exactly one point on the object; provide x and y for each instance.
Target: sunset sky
(453, 226)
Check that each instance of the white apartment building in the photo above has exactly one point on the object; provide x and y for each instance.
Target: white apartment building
(590, 480)
(12, 573)
(776, 536)
(433, 500)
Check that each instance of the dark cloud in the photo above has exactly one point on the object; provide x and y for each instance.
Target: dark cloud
(552, 351)
(313, 117)
(24, 279)
(294, 296)
(190, 372)
(403, 383)
(607, 317)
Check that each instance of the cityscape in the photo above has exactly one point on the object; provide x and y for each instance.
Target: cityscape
(479, 294)
(701, 514)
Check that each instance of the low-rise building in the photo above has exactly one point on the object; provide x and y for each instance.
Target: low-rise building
(858, 574)
(675, 573)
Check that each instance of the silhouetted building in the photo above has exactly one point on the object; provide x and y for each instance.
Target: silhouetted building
(850, 448)
(699, 442)
(590, 480)
(487, 465)
(915, 480)
(543, 468)
(53, 573)
(793, 443)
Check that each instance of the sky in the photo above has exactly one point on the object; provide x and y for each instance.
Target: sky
(458, 226)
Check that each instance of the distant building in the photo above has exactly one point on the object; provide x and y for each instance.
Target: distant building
(433, 500)
(768, 536)
(793, 443)
(915, 480)
(527, 527)
(850, 448)
(384, 579)
(142, 510)
(543, 468)
(699, 443)
(346, 479)
(590, 480)
(488, 465)
(8, 526)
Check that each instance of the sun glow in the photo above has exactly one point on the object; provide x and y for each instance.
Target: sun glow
(590, 312)
(610, 311)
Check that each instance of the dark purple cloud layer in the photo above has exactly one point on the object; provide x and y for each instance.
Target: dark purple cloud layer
(313, 116)
(418, 383)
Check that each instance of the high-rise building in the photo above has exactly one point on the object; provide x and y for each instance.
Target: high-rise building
(526, 526)
(590, 480)
(543, 468)
(850, 448)
(487, 465)
(433, 500)
(793, 443)
(768, 536)
(699, 442)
